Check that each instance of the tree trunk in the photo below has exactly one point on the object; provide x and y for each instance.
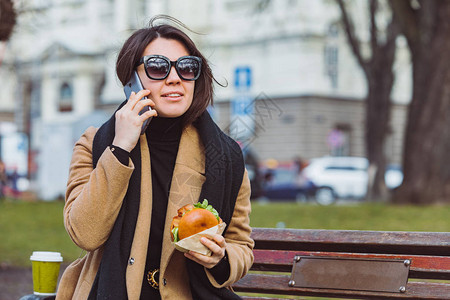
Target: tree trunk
(426, 159)
(378, 112)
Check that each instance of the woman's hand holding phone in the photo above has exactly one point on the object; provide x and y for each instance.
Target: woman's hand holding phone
(129, 122)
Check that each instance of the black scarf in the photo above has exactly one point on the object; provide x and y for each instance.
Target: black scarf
(224, 166)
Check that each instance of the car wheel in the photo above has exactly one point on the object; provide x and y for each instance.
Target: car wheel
(325, 196)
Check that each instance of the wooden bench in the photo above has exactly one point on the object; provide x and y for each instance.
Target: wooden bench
(425, 255)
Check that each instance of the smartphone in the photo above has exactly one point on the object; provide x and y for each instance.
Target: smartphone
(135, 85)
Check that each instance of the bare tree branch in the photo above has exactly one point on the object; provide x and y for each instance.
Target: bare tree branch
(352, 40)
(373, 6)
(407, 19)
(392, 32)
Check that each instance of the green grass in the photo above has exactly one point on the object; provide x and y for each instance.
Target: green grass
(32, 226)
(363, 216)
(37, 226)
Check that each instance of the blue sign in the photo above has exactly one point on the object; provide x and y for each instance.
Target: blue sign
(242, 105)
(243, 78)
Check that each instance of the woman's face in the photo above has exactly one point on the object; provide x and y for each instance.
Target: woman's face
(172, 95)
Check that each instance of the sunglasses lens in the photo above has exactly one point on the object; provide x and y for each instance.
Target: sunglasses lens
(188, 68)
(157, 68)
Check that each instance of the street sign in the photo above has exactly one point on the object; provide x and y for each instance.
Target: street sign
(241, 102)
(242, 126)
(243, 78)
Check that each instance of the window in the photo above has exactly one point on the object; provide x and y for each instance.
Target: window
(65, 97)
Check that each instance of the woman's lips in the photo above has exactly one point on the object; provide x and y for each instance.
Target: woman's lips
(172, 96)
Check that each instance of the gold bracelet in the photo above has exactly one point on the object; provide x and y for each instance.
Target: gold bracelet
(152, 280)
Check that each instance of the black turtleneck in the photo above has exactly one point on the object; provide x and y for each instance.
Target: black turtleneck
(163, 137)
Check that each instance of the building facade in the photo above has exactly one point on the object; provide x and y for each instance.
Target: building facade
(290, 77)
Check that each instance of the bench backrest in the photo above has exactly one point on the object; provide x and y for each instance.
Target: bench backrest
(275, 250)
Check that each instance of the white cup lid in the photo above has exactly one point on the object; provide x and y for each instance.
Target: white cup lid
(46, 256)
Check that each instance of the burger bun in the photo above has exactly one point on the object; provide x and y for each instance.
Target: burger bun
(195, 221)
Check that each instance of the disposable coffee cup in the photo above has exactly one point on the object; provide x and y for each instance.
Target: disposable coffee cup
(45, 267)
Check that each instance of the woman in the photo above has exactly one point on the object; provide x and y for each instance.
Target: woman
(125, 187)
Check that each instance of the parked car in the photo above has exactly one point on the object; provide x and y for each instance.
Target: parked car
(344, 177)
(283, 184)
(338, 177)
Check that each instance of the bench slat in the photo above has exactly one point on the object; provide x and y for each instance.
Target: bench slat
(354, 241)
(277, 284)
(425, 267)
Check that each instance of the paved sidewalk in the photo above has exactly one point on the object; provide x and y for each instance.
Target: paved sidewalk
(17, 282)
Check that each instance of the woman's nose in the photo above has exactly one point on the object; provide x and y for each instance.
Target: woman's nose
(173, 77)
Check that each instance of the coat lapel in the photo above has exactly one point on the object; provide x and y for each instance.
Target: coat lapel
(139, 247)
(187, 180)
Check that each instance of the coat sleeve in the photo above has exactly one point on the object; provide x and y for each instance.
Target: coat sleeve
(239, 243)
(93, 196)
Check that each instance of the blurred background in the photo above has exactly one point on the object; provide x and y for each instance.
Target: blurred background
(296, 88)
(332, 101)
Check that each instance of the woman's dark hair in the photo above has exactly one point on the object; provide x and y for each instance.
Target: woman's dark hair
(135, 45)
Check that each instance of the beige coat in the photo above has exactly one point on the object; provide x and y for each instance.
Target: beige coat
(93, 201)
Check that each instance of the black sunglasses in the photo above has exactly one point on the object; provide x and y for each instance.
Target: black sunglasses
(157, 67)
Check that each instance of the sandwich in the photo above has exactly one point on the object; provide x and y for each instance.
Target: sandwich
(192, 219)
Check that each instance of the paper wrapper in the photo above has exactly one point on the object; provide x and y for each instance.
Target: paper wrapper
(193, 242)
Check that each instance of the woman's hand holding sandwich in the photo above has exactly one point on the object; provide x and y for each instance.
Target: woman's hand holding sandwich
(217, 245)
